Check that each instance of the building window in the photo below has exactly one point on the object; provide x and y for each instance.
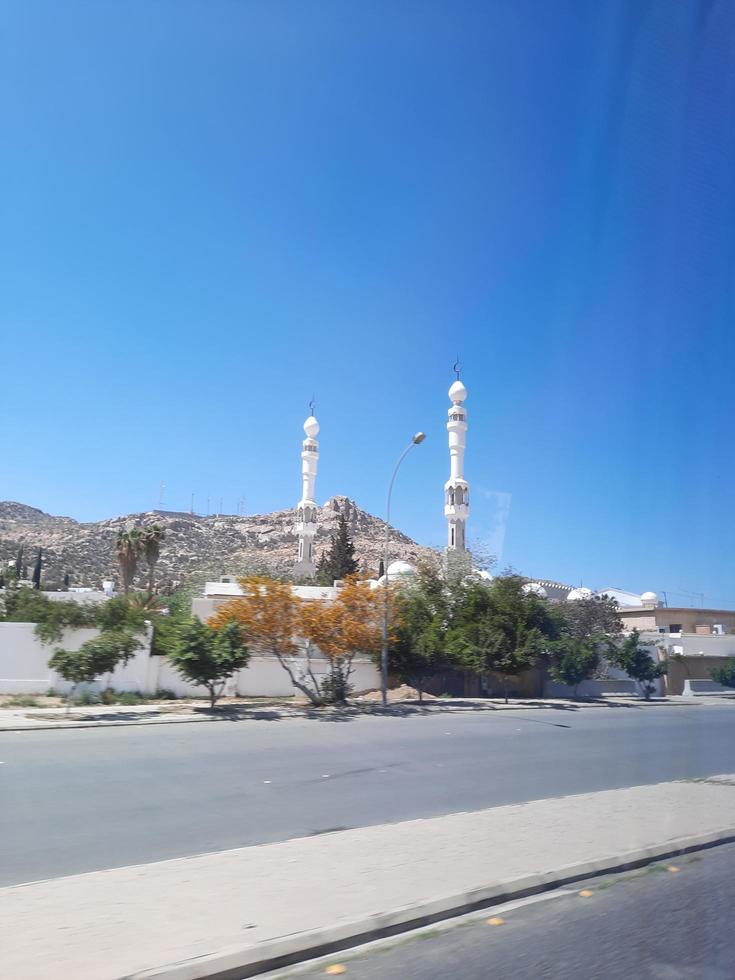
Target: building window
(452, 537)
(674, 627)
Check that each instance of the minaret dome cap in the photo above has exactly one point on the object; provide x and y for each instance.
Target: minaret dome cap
(458, 392)
(311, 427)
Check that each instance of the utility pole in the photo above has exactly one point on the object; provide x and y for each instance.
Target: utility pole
(192, 505)
(161, 495)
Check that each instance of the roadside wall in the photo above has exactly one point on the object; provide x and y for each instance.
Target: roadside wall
(691, 668)
(24, 669)
(592, 689)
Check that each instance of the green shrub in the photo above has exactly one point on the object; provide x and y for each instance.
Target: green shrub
(724, 674)
(22, 701)
(86, 698)
(130, 697)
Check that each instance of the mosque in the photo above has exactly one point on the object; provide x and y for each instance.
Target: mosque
(456, 489)
(456, 512)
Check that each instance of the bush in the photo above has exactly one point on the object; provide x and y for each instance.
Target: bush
(724, 674)
(130, 697)
(164, 694)
(336, 687)
(22, 701)
(86, 698)
(208, 656)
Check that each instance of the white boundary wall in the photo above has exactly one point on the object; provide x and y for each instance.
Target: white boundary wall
(24, 669)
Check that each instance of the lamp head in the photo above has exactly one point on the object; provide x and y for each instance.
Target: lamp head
(419, 437)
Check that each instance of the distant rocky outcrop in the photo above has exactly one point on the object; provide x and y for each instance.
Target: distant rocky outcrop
(194, 546)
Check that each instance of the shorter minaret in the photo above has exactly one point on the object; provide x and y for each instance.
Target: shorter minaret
(456, 489)
(306, 512)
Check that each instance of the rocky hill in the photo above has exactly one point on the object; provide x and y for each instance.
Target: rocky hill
(195, 546)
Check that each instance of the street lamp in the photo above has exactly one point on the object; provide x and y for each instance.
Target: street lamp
(419, 437)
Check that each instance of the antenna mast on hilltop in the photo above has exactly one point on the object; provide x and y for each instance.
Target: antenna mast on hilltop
(161, 495)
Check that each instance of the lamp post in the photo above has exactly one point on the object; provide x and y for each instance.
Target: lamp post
(419, 437)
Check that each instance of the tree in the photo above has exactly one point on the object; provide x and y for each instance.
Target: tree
(575, 661)
(98, 656)
(24, 605)
(268, 616)
(19, 563)
(725, 673)
(128, 545)
(272, 619)
(502, 628)
(595, 616)
(37, 570)
(340, 561)
(638, 664)
(208, 657)
(419, 615)
(350, 625)
(152, 536)
(66, 581)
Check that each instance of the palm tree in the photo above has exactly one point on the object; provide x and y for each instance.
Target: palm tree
(153, 535)
(128, 545)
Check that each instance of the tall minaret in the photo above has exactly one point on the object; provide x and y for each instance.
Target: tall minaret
(456, 489)
(307, 511)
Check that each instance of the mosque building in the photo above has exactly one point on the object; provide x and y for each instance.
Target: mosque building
(456, 489)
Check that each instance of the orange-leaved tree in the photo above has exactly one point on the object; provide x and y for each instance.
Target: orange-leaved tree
(268, 614)
(350, 625)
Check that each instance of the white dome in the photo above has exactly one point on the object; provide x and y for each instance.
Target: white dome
(535, 589)
(485, 575)
(398, 569)
(375, 583)
(580, 593)
(649, 599)
(458, 392)
(311, 427)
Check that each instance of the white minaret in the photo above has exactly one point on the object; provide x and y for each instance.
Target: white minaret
(456, 489)
(306, 513)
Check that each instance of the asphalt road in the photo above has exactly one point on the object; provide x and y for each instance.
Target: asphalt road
(82, 800)
(651, 924)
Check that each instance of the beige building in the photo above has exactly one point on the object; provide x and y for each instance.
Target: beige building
(692, 641)
(678, 620)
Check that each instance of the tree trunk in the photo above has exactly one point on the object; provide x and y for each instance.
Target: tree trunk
(505, 688)
(313, 697)
(212, 697)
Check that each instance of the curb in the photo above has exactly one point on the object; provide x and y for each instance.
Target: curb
(238, 963)
(159, 720)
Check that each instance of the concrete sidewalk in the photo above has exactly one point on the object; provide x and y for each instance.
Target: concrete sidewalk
(233, 913)
(115, 716)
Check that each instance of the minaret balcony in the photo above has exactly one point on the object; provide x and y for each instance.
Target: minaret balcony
(457, 511)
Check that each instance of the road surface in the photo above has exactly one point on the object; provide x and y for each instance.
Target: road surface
(83, 800)
(651, 924)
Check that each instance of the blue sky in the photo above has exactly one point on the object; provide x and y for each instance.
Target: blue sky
(213, 210)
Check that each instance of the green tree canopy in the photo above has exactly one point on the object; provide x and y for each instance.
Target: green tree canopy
(725, 673)
(503, 628)
(339, 562)
(208, 657)
(575, 660)
(98, 656)
(638, 663)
